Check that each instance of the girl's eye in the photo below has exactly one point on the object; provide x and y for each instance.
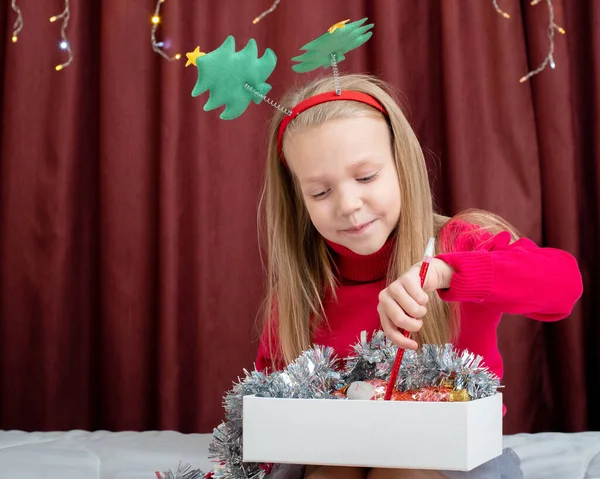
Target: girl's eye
(319, 195)
(366, 179)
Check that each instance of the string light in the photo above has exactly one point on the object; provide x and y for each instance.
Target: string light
(266, 12)
(158, 46)
(501, 12)
(64, 44)
(18, 25)
(552, 27)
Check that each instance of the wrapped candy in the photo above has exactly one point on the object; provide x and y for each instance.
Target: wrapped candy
(434, 394)
(374, 390)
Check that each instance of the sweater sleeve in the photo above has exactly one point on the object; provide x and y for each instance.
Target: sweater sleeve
(514, 278)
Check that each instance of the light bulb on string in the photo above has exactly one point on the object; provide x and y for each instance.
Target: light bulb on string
(64, 44)
(270, 10)
(552, 27)
(18, 25)
(158, 46)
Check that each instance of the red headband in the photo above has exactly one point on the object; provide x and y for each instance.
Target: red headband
(324, 98)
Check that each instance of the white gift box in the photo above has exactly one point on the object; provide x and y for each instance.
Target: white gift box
(392, 434)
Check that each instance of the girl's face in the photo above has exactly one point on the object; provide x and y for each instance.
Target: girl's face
(347, 176)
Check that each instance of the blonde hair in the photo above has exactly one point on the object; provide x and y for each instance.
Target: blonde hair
(299, 268)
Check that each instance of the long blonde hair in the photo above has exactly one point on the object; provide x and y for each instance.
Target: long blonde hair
(299, 268)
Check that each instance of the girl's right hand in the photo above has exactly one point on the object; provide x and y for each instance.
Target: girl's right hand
(401, 305)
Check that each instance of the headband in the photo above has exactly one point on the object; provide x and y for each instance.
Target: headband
(234, 79)
(304, 105)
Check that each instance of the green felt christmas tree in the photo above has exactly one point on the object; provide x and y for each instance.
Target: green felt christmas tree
(225, 74)
(341, 38)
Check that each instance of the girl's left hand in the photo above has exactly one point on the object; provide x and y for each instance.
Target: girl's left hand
(402, 303)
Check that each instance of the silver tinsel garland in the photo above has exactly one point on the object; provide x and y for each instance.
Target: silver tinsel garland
(312, 375)
(182, 472)
(371, 359)
(318, 374)
(433, 366)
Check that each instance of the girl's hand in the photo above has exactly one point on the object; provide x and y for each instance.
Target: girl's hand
(402, 303)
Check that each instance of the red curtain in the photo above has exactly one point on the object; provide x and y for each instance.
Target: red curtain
(130, 269)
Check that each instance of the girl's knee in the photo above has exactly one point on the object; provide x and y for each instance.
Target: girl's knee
(333, 472)
(404, 474)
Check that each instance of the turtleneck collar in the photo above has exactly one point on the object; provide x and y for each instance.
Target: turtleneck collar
(362, 268)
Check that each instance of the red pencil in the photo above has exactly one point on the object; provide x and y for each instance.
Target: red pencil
(429, 251)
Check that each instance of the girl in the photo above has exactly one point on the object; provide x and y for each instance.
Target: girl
(348, 211)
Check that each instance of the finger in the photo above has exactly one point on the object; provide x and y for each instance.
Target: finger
(412, 284)
(397, 315)
(408, 303)
(394, 334)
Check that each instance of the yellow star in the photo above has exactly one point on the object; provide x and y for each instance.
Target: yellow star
(193, 56)
(337, 25)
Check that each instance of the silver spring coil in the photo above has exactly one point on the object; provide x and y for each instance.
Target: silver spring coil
(268, 100)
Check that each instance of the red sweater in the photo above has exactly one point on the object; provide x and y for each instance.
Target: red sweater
(490, 277)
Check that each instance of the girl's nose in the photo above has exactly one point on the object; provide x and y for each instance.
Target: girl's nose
(349, 202)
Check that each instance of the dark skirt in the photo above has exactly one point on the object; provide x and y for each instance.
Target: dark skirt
(505, 466)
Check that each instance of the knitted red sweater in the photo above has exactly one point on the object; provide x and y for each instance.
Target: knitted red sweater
(491, 277)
